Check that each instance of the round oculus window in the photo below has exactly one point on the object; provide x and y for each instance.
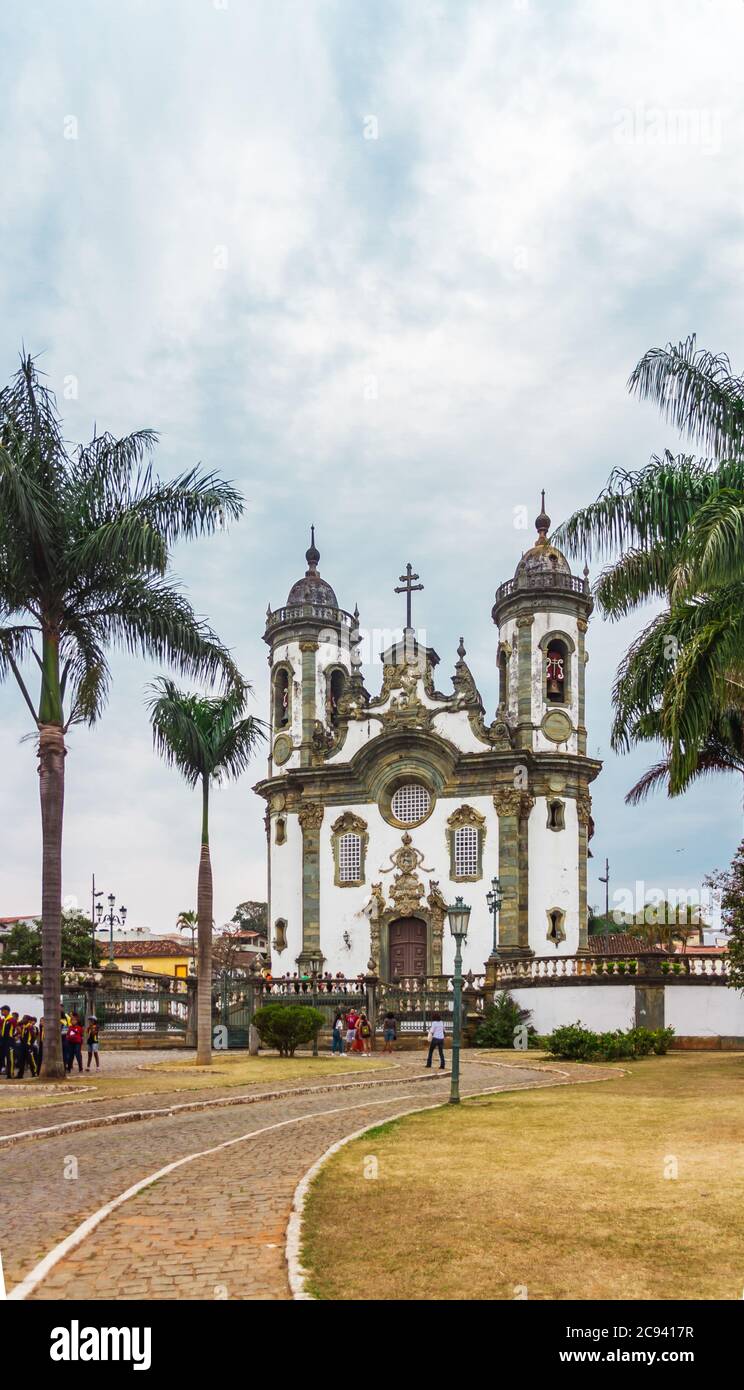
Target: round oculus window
(410, 803)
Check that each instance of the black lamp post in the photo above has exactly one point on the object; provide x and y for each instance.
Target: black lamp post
(494, 898)
(459, 918)
(111, 919)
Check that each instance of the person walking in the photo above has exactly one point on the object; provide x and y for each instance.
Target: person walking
(64, 1024)
(91, 1039)
(337, 1043)
(6, 1034)
(389, 1031)
(75, 1042)
(436, 1040)
(364, 1030)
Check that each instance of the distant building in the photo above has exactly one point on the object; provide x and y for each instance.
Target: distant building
(154, 955)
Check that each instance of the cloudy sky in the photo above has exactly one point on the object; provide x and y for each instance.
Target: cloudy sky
(387, 266)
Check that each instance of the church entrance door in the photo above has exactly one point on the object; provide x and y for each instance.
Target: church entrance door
(407, 947)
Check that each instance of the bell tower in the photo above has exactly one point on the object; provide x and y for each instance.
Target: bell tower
(542, 615)
(310, 661)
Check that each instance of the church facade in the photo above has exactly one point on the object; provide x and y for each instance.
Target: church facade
(382, 807)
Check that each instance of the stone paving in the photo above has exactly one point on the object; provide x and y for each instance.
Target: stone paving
(215, 1227)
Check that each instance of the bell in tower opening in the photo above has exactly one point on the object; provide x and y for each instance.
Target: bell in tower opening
(556, 673)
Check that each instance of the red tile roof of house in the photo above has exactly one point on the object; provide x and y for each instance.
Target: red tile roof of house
(160, 947)
(619, 943)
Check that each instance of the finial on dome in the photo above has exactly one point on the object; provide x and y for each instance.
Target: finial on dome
(312, 554)
(586, 569)
(461, 649)
(542, 522)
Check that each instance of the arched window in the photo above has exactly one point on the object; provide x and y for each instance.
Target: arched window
(336, 687)
(349, 839)
(556, 673)
(556, 815)
(281, 699)
(466, 852)
(280, 837)
(350, 857)
(466, 831)
(280, 935)
(503, 678)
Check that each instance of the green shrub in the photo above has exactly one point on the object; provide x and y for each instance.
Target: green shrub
(285, 1026)
(579, 1044)
(502, 1023)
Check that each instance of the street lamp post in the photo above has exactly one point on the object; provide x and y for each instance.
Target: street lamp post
(494, 898)
(459, 917)
(94, 896)
(111, 919)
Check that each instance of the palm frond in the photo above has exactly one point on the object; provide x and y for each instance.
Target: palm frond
(696, 392)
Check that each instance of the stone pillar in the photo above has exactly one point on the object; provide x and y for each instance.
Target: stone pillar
(310, 817)
(524, 682)
(507, 801)
(583, 813)
(308, 650)
(649, 1006)
(581, 660)
(371, 981)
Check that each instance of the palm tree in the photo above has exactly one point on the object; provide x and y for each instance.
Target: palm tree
(186, 921)
(677, 527)
(85, 539)
(208, 738)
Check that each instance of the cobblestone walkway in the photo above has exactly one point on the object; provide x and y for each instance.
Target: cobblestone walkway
(215, 1227)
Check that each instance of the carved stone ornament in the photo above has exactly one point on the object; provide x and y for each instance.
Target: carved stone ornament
(349, 822)
(466, 815)
(310, 816)
(406, 891)
(584, 808)
(499, 734)
(507, 801)
(322, 741)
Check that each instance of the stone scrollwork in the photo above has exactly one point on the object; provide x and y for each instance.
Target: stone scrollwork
(310, 816)
(584, 808)
(510, 801)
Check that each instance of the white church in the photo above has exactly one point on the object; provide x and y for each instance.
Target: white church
(384, 806)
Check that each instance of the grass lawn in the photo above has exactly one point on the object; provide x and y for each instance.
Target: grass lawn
(173, 1075)
(561, 1191)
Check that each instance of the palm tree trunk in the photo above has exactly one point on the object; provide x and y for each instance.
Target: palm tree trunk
(205, 913)
(52, 795)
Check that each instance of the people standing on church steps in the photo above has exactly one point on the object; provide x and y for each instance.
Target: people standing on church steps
(389, 1031)
(364, 1032)
(337, 1044)
(436, 1040)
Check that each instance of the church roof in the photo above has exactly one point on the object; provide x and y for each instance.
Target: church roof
(311, 588)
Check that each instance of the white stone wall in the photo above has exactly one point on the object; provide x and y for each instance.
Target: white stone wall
(702, 1011)
(602, 1008)
(286, 893)
(553, 877)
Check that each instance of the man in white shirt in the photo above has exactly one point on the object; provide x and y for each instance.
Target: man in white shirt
(436, 1040)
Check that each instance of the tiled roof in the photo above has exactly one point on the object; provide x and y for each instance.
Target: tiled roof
(619, 943)
(162, 947)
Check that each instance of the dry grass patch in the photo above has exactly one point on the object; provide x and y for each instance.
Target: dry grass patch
(171, 1075)
(560, 1190)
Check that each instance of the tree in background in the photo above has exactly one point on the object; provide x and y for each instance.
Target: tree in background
(252, 916)
(208, 739)
(677, 530)
(23, 943)
(729, 885)
(85, 542)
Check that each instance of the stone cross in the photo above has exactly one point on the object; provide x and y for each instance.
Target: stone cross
(408, 587)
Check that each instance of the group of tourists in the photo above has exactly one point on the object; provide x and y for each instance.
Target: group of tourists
(22, 1042)
(352, 1032)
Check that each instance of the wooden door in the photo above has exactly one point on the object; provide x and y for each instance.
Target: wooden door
(407, 947)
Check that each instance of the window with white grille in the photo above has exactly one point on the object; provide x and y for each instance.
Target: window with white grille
(466, 852)
(410, 804)
(350, 858)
